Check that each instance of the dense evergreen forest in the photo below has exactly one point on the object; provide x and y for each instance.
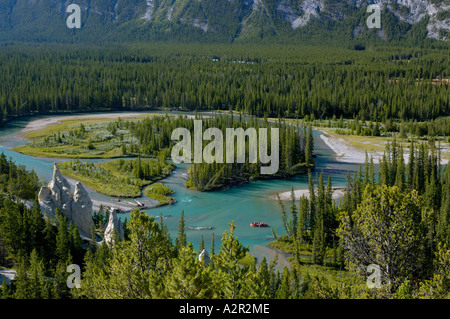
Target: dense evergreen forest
(295, 149)
(153, 137)
(289, 81)
(16, 180)
(397, 219)
(295, 157)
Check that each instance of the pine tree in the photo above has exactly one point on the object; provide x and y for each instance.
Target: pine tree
(383, 175)
(371, 172)
(60, 289)
(5, 292)
(188, 278)
(37, 227)
(312, 203)
(321, 199)
(368, 235)
(21, 282)
(75, 244)
(50, 232)
(93, 243)
(62, 238)
(411, 164)
(36, 276)
(294, 216)
(443, 228)
(309, 146)
(284, 219)
(329, 217)
(302, 215)
(263, 280)
(400, 171)
(202, 245)
(318, 250)
(230, 272)
(180, 241)
(274, 278)
(284, 290)
(212, 245)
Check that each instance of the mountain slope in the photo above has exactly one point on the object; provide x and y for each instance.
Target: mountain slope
(220, 20)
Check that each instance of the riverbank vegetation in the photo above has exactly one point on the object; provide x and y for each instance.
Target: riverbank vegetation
(160, 193)
(381, 220)
(118, 178)
(86, 138)
(16, 181)
(373, 136)
(152, 137)
(397, 219)
(296, 147)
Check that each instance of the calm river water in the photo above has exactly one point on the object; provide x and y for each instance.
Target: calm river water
(242, 204)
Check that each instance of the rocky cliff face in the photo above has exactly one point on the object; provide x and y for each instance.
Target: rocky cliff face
(76, 206)
(227, 19)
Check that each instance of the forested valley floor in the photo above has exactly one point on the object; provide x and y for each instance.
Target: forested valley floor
(398, 218)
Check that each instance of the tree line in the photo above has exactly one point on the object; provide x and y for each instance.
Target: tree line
(397, 219)
(393, 83)
(296, 148)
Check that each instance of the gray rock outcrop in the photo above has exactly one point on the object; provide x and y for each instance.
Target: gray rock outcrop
(77, 206)
(114, 224)
(82, 209)
(204, 257)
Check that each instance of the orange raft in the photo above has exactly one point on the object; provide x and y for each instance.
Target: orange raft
(255, 224)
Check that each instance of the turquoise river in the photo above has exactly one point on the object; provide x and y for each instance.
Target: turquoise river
(241, 204)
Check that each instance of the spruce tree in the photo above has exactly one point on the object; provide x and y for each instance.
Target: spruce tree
(312, 203)
(411, 166)
(318, 250)
(230, 272)
(21, 281)
(294, 216)
(188, 278)
(36, 276)
(75, 244)
(62, 238)
(284, 290)
(212, 245)
(302, 215)
(5, 292)
(37, 226)
(202, 245)
(309, 146)
(180, 241)
(50, 232)
(284, 219)
(263, 280)
(400, 171)
(93, 243)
